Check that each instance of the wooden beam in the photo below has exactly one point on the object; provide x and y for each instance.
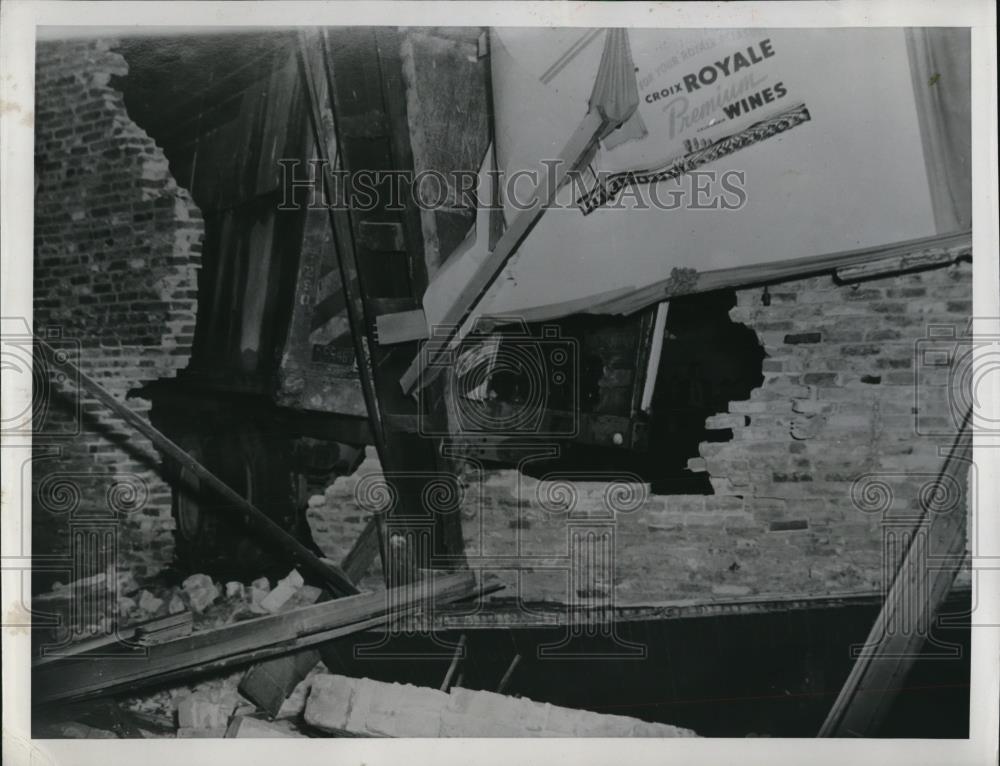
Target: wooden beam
(135, 637)
(241, 643)
(921, 584)
(249, 513)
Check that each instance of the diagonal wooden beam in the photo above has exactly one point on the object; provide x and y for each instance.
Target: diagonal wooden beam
(916, 595)
(252, 516)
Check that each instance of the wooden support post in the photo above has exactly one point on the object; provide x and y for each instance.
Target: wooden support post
(917, 592)
(505, 681)
(456, 658)
(365, 131)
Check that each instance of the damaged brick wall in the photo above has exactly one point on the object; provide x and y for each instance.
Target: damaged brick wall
(117, 251)
(834, 448)
(848, 417)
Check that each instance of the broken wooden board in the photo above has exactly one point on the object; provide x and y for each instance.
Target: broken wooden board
(76, 678)
(143, 634)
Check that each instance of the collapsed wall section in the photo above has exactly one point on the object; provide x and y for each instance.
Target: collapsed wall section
(117, 252)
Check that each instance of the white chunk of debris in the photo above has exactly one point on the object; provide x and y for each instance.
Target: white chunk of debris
(283, 591)
(201, 591)
(149, 603)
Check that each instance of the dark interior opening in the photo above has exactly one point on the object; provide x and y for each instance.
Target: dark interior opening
(708, 360)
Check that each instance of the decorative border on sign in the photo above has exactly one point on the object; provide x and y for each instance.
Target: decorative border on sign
(608, 189)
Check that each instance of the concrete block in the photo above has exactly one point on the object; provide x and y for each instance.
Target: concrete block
(196, 712)
(405, 711)
(243, 727)
(329, 703)
(454, 724)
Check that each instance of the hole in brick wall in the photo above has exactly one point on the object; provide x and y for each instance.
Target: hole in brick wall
(707, 361)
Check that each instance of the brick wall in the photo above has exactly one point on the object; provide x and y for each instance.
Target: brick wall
(117, 247)
(828, 455)
(846, 413)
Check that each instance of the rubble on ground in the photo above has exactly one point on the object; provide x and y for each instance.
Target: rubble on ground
(320, 705)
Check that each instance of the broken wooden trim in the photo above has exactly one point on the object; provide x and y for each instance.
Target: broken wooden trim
(897, 264)
(923, 579)
(77, 678)
(654, 353)
(250, 514)
(955, 244)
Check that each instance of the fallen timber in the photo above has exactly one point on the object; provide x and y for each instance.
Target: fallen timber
(77, 678)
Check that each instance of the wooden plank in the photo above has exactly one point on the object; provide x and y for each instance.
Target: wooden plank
(241, 643)
(250, 514)
(268, 684)
(921, 584)
(152, 631)
(423, 368)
